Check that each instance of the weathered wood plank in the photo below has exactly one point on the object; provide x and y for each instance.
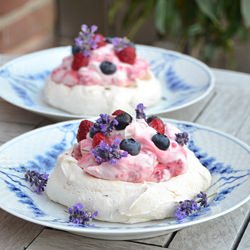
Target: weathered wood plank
(16, 233)
(52, 239)
(11, 113)
(10, 130)
(245, 241)
(191, 112)
(244, 130)
(226, 78)
(216, 234)
(157, 241)
(45, 122)
(227, 110)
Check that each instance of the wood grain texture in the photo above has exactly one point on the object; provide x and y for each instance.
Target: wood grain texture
(244, 133)
(191, 112)
(52, 239)
(220, 233)
(10, 130)
(10, 113)
(225, 112)
(157, 241)
(16, 233)
(245, 241)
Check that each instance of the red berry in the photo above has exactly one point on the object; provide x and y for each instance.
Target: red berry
(98, 137)
(127, 55)
(83, 129)
(157, 124)
(118, 112)
(79, 61)
(100, 40)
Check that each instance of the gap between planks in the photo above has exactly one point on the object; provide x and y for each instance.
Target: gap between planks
(53, 239)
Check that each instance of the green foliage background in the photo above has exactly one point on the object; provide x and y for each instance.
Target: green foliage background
(205, 26)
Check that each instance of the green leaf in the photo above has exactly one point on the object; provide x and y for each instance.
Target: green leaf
(206, 6)
(194, 29)
(160, 16)
(148, 6)
(114, 9)
(208, 52)
(245, 10)
(133, 12)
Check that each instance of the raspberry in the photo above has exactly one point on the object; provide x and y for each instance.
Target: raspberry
(83, 129)
(98, 137)
(157, 124)
(101, 41)
(127, 55)
(79, 61)
(118, 112)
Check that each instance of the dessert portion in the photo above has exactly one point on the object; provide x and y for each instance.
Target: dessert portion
(128, 169)
(101, 75)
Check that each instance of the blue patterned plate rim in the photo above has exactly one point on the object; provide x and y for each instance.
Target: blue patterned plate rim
(60, 114)
(122, 228)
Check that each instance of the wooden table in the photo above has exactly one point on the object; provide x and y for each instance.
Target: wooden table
(226, 109)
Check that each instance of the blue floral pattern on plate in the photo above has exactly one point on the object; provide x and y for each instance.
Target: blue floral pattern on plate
(184, 80)
(38, 150)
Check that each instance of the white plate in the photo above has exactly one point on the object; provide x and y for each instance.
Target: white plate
(226, 157)
(184, 80)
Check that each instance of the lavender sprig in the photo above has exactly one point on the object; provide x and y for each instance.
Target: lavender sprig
(86, 41)
(37, 181)
(188, 207)
(78, 215)
(202, 199)
(108, 153)
(121, 43)
(105, 124)
(140, 114)
(182, 138)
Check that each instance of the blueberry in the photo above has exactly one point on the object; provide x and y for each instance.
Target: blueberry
(124, 120)
(107, 68)
(92, 132)
(131, 146)
(161, 141)
(108, 39)
(75, 49)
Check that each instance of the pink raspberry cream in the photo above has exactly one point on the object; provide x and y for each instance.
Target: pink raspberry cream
(150, 165)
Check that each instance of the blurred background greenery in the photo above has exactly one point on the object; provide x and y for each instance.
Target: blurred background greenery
(202, 28)
(214, 31)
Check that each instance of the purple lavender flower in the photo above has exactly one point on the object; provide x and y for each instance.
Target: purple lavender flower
(105, 124)
(78, 215)
(202, 199)
(185, 209)
(182, 138)
(121, 43)
(108, 153)
(140, 111)
(188, 207)
(86, 41)
(37, 180)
